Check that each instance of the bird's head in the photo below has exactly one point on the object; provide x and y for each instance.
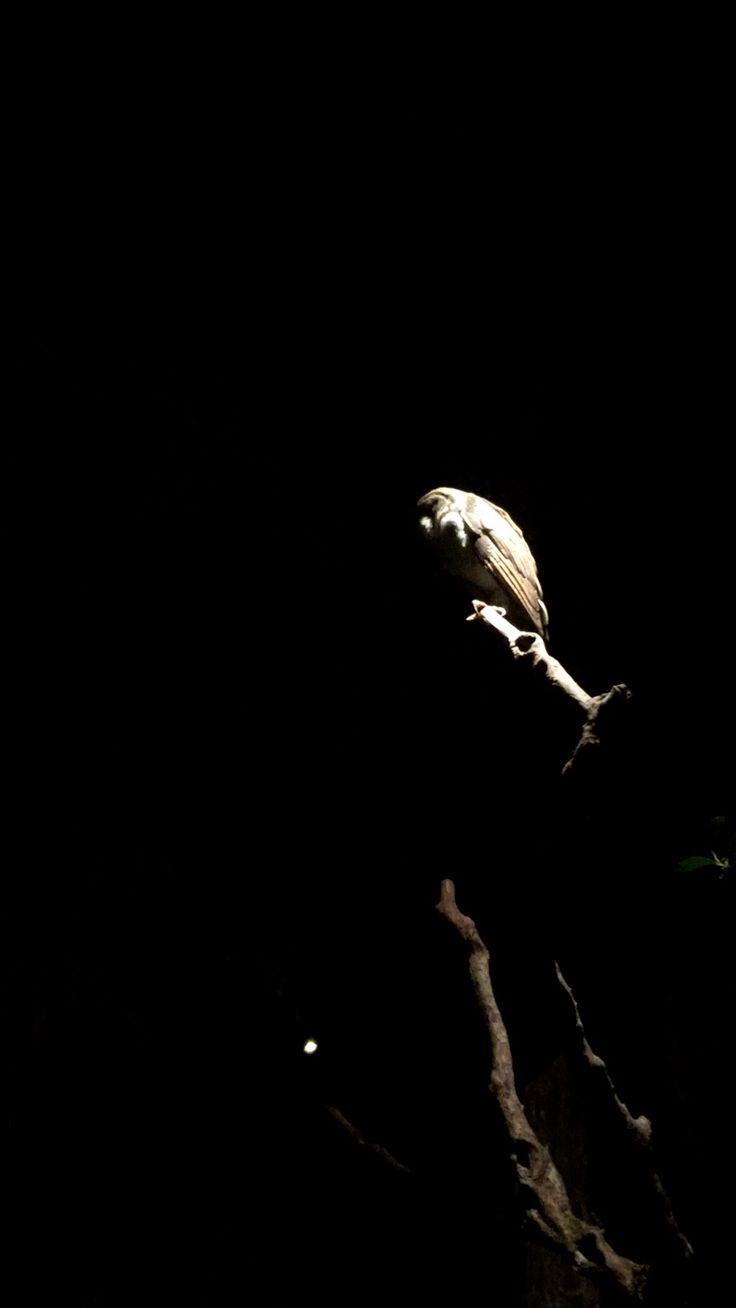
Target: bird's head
(442, 509)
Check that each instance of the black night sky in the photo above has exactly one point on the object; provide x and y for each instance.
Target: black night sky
(248, 730)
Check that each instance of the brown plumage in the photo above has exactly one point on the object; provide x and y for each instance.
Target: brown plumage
(481, 543)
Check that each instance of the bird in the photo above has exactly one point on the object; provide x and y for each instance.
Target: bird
(480, 542)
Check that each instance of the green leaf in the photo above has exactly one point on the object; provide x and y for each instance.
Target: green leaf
(695, 863)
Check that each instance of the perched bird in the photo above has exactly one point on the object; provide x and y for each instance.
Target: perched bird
(479, 542)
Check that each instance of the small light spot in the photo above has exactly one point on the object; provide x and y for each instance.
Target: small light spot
(310, 1047)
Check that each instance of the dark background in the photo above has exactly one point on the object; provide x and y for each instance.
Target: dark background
(248, 728)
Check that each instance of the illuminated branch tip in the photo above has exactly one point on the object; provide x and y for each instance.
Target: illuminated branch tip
(530, 645)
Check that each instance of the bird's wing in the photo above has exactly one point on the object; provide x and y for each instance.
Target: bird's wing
(501, 547)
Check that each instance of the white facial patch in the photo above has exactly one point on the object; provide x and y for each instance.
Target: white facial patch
(427, 525)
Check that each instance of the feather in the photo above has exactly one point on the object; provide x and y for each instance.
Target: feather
(480, 542)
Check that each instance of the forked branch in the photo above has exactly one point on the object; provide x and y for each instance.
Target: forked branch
(547, 1200)
(530, 645)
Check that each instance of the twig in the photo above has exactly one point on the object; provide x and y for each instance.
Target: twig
(640, 1128)
(529, 644)
(359, 1139)
(548, 1204)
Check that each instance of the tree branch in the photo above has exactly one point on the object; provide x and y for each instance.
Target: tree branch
(529, 644)
(548, 1204)
(640, 1128)
(359, 1139)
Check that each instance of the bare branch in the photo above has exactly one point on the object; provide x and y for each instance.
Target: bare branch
(640, 1128)
(528, 644)
(359, 1139)
(548, 1204)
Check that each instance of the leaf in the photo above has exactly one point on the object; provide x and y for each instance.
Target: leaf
(695, 863)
